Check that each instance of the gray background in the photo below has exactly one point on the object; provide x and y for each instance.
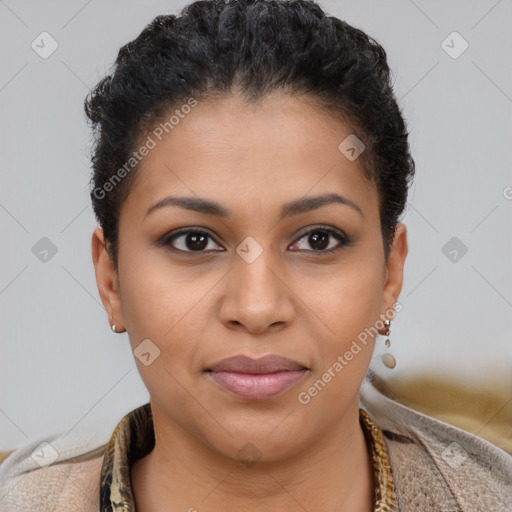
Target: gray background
(60, 366)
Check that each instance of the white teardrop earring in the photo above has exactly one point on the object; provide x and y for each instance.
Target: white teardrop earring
(388, 359)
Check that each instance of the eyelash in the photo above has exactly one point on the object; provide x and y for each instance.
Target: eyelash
(338, 235)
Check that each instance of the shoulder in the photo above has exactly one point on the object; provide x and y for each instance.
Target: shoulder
(52, 474)
(437, 466)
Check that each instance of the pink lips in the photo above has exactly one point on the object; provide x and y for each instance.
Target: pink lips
(257, 379)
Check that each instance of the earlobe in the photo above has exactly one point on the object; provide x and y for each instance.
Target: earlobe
(106, 279)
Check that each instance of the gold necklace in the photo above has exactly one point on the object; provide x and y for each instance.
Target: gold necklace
(385, 496)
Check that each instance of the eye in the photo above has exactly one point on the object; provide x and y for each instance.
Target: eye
(187, 240)
(319, 237)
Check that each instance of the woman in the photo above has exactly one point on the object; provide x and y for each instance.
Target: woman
(250, 168)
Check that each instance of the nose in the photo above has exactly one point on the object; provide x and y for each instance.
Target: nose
(257, 297)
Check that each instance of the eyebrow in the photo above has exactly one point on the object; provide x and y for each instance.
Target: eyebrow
(296, 207)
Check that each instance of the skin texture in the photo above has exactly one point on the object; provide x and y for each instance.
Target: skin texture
(292, 300)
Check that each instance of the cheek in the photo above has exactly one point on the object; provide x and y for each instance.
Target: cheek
(167, 306)
(348, 301)
(158, 296)
(159, 309)
(349, 309)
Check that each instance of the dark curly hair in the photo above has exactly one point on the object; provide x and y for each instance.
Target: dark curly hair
(257, 47)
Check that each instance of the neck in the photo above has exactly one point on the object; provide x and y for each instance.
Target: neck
(181, 473)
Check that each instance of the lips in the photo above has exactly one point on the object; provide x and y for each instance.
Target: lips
(257, 379)
(266, 364)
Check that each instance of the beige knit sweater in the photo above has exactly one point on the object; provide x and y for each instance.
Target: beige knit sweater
(436, 467)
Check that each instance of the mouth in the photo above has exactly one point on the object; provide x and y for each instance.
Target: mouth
(257, 379)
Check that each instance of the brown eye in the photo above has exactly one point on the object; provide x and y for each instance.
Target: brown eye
(322, 240)
(188, 241)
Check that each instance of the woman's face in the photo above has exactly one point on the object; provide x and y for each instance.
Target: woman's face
(253, 282)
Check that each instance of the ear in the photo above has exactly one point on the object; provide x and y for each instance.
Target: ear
(395, 268)
(107, 279)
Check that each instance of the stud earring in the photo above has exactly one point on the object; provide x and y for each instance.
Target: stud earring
(387, 358)
(114, 327)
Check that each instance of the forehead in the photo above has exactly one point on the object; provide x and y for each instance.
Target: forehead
(225, 149)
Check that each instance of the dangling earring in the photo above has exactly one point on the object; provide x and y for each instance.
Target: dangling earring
(387, 358)
(387, 323)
